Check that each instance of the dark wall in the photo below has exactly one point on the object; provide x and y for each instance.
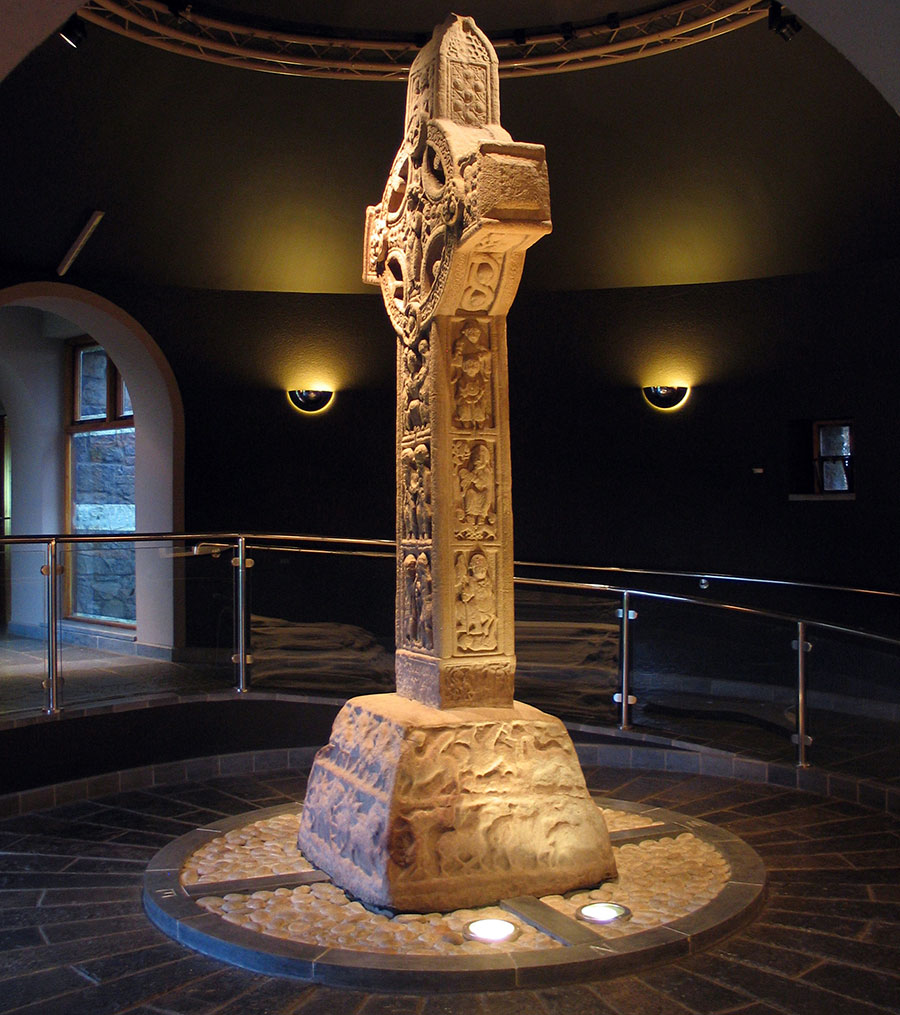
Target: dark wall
(601, 477)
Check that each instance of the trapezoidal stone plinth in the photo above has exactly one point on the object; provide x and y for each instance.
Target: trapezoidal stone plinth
(416, 808)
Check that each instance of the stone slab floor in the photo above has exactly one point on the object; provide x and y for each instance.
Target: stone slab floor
(74, 939)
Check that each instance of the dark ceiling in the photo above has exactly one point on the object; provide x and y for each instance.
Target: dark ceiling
(736, 158)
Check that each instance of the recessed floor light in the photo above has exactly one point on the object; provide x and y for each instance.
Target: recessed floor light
(603, 912)
(491, 930)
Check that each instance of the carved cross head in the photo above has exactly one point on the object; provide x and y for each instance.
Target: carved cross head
(456, 171)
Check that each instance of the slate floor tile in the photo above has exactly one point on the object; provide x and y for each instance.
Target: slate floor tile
(135, 837)
(20, 937)
(269, 996)
(124, 963)
(24, 990)
(780, 991)
(456, 1004)
(773, 919)
(696, 993)
(827, 946)
(84, 896)
(513, 1003)
(32, 862)
(575, 1000)
(35, 916)
(52, 846)
(17, 899)
(44, 956)
(887, 934)
(805, 890)
(851, 981)
(124, 993)
(207, 994)
(629, 995)
(94, 928)
(327, 1001)
(785, 961)
(381, 1004)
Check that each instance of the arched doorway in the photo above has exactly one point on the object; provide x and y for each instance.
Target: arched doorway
(36, 441)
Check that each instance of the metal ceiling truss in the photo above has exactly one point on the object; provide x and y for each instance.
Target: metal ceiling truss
(323, 52)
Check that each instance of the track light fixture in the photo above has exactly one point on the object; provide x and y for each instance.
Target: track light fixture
(73, 32)
(785, 25)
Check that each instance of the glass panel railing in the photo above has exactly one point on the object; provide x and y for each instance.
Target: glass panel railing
(567, 645)
(712, 659)
(720, 661)
(23, 646)
(180, 643)
(322, 619)
(714, 676)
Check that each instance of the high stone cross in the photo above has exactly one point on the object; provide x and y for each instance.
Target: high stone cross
(449, 793)
(447, 246)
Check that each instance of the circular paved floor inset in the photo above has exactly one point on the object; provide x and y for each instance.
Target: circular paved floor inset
(239, 891)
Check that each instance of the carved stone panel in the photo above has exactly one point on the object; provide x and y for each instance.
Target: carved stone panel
(475, 492)
(485, 683)
(416, 388)
(476, 602)
(482, 279)
(471, 377)
(417, 628)
(416, 488)
(469, 93)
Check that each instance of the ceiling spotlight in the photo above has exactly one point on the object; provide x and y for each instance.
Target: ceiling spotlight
(308, 400)
(785, 25)
(603, 912)
(73, 32)
(666, 396)
(491, 930)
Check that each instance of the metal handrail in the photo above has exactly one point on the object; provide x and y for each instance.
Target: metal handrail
(711, 576)
(241, 543)
(789, 618)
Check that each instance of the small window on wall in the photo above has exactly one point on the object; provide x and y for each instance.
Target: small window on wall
(100, 487)
(833, 456)
(822, 456)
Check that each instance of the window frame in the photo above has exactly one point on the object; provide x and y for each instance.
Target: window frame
(819, 459)
(114, 419)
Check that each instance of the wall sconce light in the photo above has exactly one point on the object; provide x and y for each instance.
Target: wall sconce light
(666, 397)
(73, 32)
(310, 401)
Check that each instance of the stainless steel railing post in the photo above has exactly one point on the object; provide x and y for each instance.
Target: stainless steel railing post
(53, 684)
(242, 658)
(624, 697)
(801, 738)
